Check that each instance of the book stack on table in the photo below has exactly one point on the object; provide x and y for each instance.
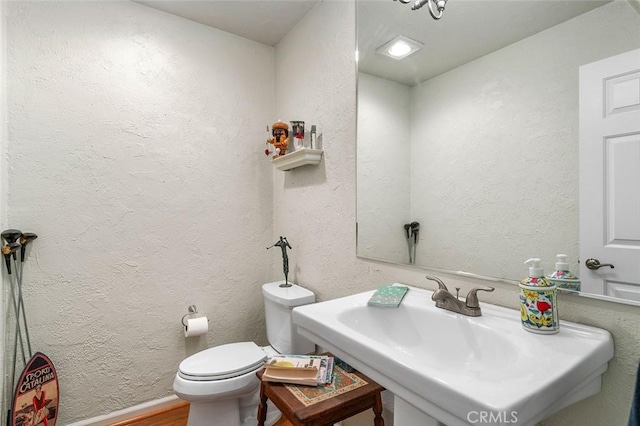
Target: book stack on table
(308, 370)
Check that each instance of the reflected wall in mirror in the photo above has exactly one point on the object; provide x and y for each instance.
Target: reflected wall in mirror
(475, 136)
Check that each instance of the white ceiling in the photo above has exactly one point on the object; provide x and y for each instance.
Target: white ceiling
(265, 21)
(468, 30)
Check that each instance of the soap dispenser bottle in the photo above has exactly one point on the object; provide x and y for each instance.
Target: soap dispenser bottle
(562, 277)
(538, 301)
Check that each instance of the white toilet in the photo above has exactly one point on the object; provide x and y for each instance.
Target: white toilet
(221, 383)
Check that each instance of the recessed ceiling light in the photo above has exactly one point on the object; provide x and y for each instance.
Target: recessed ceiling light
(400, 47)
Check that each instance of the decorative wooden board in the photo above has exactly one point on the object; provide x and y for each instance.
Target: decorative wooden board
(35, 401)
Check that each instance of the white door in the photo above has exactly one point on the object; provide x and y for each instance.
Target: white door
(610, 175)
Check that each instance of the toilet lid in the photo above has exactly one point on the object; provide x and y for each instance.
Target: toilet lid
(223, 362)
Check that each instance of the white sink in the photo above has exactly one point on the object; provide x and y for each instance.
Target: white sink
(451, 366)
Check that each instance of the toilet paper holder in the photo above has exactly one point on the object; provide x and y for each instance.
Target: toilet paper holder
(193, 310)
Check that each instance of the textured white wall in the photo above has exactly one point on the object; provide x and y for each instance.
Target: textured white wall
(3, 118)
(3, 168)
(135, 152)
(315, 207)
(383, 173)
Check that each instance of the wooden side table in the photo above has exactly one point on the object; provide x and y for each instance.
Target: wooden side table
(323, 413)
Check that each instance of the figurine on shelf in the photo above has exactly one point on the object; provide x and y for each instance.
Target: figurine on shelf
(280, 139)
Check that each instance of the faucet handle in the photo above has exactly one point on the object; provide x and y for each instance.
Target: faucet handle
(441, 285)
(472, 297)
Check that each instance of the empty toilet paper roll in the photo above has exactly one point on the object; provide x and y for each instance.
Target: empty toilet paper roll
(196, 326)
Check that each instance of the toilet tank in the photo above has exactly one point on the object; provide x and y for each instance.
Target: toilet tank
(278, 304)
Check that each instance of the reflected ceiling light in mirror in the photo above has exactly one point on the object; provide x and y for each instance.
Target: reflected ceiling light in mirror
(400, 47)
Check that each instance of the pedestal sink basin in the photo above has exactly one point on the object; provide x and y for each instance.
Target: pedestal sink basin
(456, 368)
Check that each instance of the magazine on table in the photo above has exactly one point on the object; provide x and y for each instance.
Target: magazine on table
(309, 370)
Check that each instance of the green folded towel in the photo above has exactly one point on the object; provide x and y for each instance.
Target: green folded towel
(388, 296)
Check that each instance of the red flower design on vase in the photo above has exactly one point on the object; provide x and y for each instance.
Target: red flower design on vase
(543, 306)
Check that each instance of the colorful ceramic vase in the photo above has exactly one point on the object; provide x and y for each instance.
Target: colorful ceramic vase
(538, 302)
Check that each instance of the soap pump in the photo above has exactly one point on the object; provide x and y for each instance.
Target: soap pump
(562, 277)
(538, 301)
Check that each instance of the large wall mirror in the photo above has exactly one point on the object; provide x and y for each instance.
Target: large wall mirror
(475, 137)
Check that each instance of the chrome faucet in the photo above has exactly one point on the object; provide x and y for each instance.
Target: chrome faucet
(445, 300)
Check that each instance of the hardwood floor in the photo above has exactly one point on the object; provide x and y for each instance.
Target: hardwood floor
(174, 415)
(283, 422)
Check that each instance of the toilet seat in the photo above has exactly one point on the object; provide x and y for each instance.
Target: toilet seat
(222, 362)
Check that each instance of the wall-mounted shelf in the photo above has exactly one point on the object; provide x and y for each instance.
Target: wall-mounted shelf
(298, 158)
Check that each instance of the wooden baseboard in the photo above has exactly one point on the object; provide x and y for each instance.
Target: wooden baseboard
(173, 415)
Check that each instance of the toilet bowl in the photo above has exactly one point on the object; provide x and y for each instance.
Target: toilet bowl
(220, 382)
